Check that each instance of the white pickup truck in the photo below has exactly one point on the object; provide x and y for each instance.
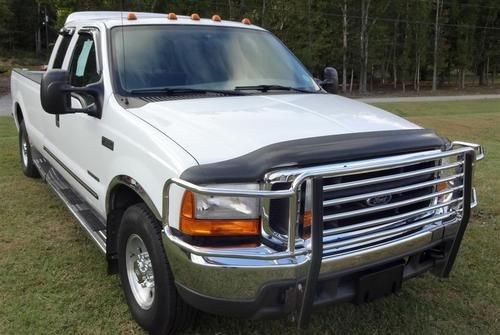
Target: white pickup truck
(216, 174)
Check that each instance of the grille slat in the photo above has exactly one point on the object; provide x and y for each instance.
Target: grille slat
(376, 224)
(370, 210)
(391, 191)
(388, 232)
(366, 182)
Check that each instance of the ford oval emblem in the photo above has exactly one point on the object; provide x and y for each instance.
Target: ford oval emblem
(379, 201)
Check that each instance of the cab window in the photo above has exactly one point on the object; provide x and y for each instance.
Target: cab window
(83, 69)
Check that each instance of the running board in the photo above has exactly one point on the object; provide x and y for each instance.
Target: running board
(91, 221)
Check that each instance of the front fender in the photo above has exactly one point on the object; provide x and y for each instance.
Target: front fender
(135, 186)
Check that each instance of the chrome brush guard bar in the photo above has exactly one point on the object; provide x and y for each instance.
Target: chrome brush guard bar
(297, 251)
(297, 178)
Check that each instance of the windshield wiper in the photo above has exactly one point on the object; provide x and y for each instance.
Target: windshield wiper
(266, 88)
(182, 90)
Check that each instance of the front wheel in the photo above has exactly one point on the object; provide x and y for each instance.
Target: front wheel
(146, 276)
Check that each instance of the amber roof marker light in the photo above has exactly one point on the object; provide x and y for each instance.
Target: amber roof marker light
(195, 17)
(216, 18)
(246, 21)
(172, 16)
(131, 16)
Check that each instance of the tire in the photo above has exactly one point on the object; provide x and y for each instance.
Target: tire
(159, 310)
(29, 168)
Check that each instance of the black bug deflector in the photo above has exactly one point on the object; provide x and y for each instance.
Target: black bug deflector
(315, 151)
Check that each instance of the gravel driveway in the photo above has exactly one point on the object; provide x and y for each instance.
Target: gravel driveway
(5, 105)
(430, 98)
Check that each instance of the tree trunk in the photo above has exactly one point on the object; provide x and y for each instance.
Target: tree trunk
(416, 80)
(383, 72)
(480, 72)
(153, 6)
(462, 78)
(439, 5)
(344, 45)
(488, 70)
(394, 51)
(309, 32)
(415, 74)
(230, 10)
(38, 35)
(263, 13)
(365, 6)
(371, 79)
(352, 79)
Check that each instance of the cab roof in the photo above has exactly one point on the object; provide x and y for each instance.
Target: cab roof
(116, 18)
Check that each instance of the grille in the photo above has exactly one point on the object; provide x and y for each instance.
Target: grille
(340, 199)
(362, 209)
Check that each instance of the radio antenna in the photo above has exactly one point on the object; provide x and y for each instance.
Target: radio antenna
(123, 51)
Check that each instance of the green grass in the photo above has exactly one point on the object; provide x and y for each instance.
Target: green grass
(53, 280)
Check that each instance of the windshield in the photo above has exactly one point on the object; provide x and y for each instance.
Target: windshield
(203, 57)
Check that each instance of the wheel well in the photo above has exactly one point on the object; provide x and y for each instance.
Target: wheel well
(121, 197)
(19, 114)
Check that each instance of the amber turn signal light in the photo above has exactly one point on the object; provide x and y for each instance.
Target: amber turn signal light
(216, 18)
(307, 224)
(441, 186)
(195, 17)
(131, 16)
(172, 16)
(192, 226)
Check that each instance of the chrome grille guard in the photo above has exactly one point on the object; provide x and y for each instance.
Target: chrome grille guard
(323, 241)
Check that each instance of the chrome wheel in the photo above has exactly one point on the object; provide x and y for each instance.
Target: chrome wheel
(140, 272)
(24, 150)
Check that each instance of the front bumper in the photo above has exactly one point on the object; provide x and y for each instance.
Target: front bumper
(227, 286)
(261, 282)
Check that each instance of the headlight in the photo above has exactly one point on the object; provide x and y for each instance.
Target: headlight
(205, 215)
(214, 207)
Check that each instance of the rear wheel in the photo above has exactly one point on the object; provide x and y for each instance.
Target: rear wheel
(145, 273)
(29, 168)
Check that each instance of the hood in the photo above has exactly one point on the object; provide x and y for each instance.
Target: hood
(223, 128)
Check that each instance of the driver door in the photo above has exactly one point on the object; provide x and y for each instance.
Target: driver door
(75, 139)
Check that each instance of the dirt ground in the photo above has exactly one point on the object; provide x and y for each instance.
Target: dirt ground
(4, 84)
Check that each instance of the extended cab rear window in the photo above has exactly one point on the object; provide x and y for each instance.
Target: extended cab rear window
(61, 51)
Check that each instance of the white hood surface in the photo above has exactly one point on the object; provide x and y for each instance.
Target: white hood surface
(222, 128)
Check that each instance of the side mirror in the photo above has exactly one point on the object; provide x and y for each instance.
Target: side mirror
(54, 99)
(331, 80)
(55, 94)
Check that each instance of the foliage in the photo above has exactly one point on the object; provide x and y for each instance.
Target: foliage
(399, 34)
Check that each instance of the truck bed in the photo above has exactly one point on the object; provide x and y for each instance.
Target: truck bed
(35, 76)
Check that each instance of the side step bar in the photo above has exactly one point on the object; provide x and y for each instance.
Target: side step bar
(92, 223)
